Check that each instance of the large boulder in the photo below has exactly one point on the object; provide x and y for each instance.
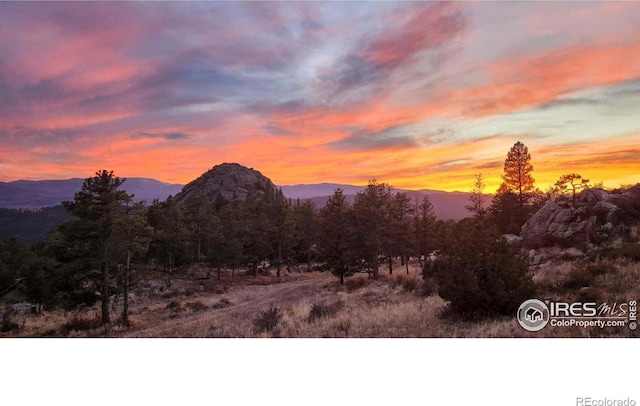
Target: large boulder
(571, 222)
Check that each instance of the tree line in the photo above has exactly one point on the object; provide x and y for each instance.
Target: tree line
(96, 253)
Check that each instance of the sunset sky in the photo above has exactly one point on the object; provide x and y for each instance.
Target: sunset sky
(416, 94)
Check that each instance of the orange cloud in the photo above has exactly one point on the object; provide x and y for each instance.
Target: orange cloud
(90, 81)
(526, 82)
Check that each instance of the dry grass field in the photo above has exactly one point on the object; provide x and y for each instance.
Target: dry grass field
(313, 304)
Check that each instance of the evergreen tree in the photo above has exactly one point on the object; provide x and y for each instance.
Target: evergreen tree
(200, 222)
(425, 230)
(511, 206)
(256, 229)
(336, 236)
(169, 234)
(481, 275)
(86, 242)
(280, 217)
(573, 181)
(517, 173)
(228, 248)
(131, 238)
(477, 198)
(23, 268)
(505, 211)
(400, 231)
(305, 231)
(370, 211)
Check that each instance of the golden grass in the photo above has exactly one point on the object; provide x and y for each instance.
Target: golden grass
(554, 275)
(379, 310)
(391, 306)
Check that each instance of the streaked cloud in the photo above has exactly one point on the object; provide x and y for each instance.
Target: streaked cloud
(419, 94)
(166, 136)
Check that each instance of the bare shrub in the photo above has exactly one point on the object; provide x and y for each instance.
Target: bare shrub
(591, 295)
(408, 283)
(174, 306)
(8, 325)
(623, 281)
(196, 306)
(208, 285)
(583, 275)
(223, 303)
(578, 277)
(81, 324)
(355, 283)
(601, 268)
(429, 286)
(342, 327)
(411, 317)
(168, 294)
(554, 275)
(267, 320)
(322, 310)
(627, 250)
(220, 289)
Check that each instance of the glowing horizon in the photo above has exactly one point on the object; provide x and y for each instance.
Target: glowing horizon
(420, 95)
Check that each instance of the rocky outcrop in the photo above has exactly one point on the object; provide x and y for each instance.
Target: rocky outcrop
(583, 221)
(228, 181)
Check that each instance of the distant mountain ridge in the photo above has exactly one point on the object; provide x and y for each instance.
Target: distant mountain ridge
(309, 191)
(227, 179)
(28, 194)
(446, 205)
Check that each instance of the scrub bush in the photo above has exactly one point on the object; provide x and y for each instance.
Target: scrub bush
(483, 278)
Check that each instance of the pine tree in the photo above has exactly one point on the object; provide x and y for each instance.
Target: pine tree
(572, 180)
(305, 231)
(511, 206)
(336, 236)
(370, 211)
(505, 209)
(198, 215)
(401, 230)
(257, 229)
(87, 242)
(169, 235)
(280, 217)
(130, 238)
(425, 228)
(477, 198)
(228, 248)
(517, 173)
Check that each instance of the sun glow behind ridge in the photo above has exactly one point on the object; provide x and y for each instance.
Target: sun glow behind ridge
(419, 95)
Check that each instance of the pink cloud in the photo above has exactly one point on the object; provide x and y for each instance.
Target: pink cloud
(525, 82)
(424, 29)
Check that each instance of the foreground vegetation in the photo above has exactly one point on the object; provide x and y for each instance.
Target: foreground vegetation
(301, 304)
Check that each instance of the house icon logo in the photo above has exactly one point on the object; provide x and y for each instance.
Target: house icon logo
(533, 315)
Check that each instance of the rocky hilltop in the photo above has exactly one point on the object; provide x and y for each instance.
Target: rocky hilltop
(594, 217)
(228, 181)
